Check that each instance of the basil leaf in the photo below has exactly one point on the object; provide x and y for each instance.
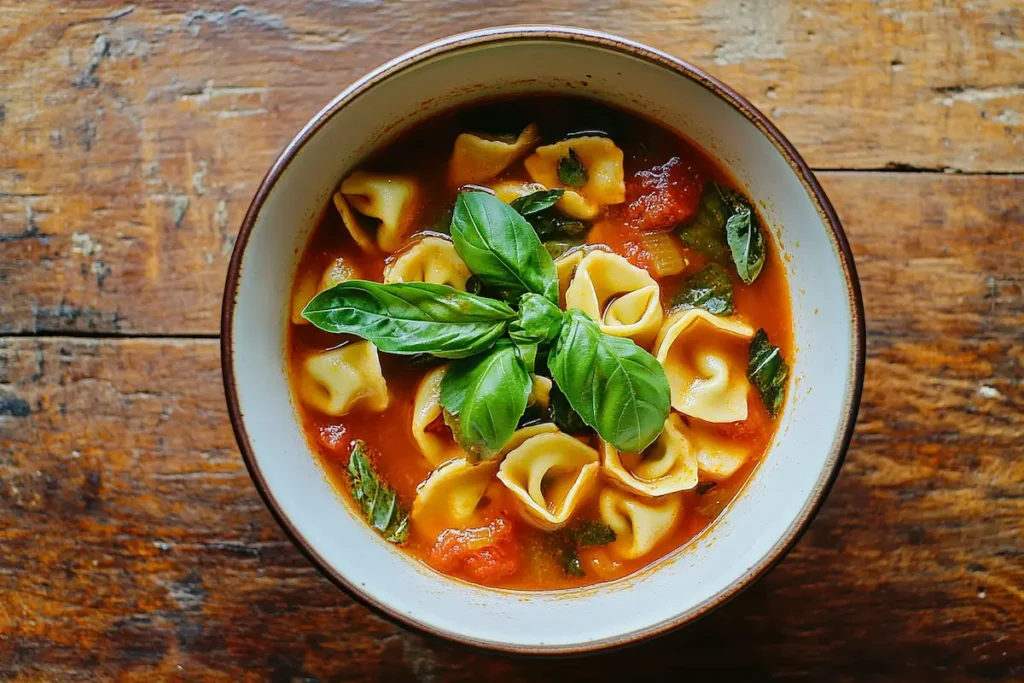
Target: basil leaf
(535, 202)
(706, 231)
(558, 247)
(551, 225)
(710, 288)
(745, 240)
(500, 247)
(376, 500)
(591, 533)
(569, 560)
(768, 372)
(487, 394)
(571, 171)
(562, 414)
(527, 353)
(411, 317)
(617, 388)
(538, 320)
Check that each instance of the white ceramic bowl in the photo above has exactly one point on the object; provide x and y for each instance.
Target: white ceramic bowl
(759, 526)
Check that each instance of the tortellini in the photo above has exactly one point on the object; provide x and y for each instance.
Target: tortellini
(338, 381)
(717, 458)
(565, 266)
(549, 475)
(391, 199)
(540, 393)
(695, 348)
(669, 465)
(431, 259)
(602, 161)
(639, 523)
(510, 190)
(436, 448)
(450, 496)
(309, 285)
(477, 159)
(624, 299)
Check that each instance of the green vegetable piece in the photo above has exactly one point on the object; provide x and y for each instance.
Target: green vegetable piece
(500, 247)
(538, 321)
(705, 487)
(562, 414)
(706, 231)
(745, 240)
(571, 171)
(550, 226)
(376, 500)
(570, 561)
(535, 202)
(591, 533)
(710, 288)
(487, 395)
(558, 247)
(768, 372)
(616, 387)
(411, 317)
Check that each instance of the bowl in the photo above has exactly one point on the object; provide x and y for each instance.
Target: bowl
(763, 521)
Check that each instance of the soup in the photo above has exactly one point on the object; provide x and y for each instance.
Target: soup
(539, 343)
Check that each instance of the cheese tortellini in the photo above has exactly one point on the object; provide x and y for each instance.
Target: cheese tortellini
(392, 199)
(450, 496)
(601, 160)
(309, 285)
(549, 475)
(669, 465)
(431, 259)
(639, 523)
(695, 348)
(717, 458)
(565, 266)
(338, 381)
(436, 448)
(477, 159)
(624, 299)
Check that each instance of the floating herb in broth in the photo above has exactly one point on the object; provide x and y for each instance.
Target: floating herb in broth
(495, 387)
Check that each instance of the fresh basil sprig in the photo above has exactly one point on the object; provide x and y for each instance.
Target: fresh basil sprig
(768, 372)
(501, 248)
(745, 239)
(705, 232)
(535, 202)
(616, 387)
(537, 322)
(377, 501)
(726, 228)
(484, 397)
(709, 288)
(571, 171)
(411, 317)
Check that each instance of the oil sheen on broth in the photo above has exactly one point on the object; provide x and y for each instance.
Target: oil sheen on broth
(630, 237)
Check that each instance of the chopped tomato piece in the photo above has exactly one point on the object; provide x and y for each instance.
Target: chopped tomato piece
(485, 554)
(332, 436)
(660, 197)
(623, 242)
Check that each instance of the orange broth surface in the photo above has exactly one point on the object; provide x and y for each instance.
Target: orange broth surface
(423, 152)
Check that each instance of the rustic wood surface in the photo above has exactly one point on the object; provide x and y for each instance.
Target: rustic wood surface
(131, 141)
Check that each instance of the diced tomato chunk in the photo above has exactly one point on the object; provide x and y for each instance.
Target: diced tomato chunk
(660, 197)
(484, 554)
(332, 436)
(622, 241)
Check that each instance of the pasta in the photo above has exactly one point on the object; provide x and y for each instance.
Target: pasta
(477, 159)
(335, 382)
(510, 190)
(450, 495)
(639, 524)
(602, 161)
(541, 392)
(624, 299)
(337, 272)
(717, 458)
(436, 448)
(566, 265)
(392, 199)
(549, 475)
(667, 466)
(308, 286)
(695, 348)
(431, 259)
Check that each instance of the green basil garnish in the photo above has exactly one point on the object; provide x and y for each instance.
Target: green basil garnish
(486, 395)
(571, 171)
(745, 239)
(537, 322)
(616, 387)
(535, 202)
(375, 499)
(565, 543)
(562, 414)
(768, 372)
(591, 533)
(558, 247)
(710, 288)
(501, 248)
(411, 317)
(706, 231)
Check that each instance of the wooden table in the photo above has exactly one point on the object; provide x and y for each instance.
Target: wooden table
(131, 141)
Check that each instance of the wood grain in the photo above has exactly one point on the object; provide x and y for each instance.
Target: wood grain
(132, 138)
(134, 541)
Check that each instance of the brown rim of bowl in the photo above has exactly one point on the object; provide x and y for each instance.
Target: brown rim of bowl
(614, 44)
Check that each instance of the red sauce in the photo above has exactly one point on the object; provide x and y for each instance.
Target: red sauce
(664, 175)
